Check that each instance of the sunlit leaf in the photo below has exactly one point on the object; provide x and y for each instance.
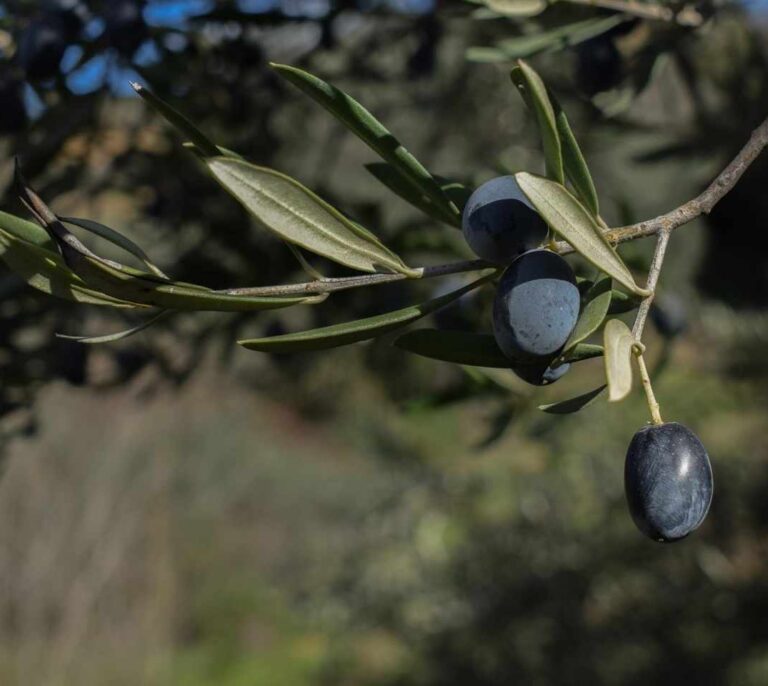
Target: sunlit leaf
(594, 307)
(534, 92)
(369, 129)
(299, 216)
(618, 342)
(358, 330)
(573, 404)
(573, 222)
(27, 231)
(46, 271)
(517, 8)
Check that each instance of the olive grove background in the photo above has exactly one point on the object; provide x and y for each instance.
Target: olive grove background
(177, 510)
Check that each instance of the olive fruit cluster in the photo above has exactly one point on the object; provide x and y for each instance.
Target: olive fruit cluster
(537, 301)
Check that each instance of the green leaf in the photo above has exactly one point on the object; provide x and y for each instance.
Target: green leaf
(203, 144)
(618, 342)
(371, 131)
(119, 335)
(534, 92)
(47, 272)
(460, 347)
(583, 351)
(299, 216)
(573, 222)
(517, 8)
(622, 302)
(148, 289)
(573, 404)
(575, 165)
(27, 231)
(117, 239)
(594, 307)
(536, 42)
(400, 185)
(359, 330)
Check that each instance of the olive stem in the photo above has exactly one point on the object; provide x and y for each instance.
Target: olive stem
(653, 278)
(653, 404)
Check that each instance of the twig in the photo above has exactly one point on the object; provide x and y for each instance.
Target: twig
(343, 283)
(663, 224)
(653, 404)
(653, 279)
(686, 16)
(702, 204)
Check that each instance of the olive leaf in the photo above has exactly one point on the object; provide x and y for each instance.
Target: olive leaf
(47, 272)
(201, 142)
(534, 92)
(573, 160)
(117, 336)
(517, 8)
(582, 351)
(536, 42)
(573, 404)
(594, 307)
(27, 231)
(117, 239)
(299, 216)
(618, 342)
(390, 177)
(622, 302)
(474, 349)
(371, 131)
(573, 222)
(137, 287)
(461, 347)
(358, 330)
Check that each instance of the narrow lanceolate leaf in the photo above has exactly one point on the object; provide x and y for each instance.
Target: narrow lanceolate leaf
(517, 8)
(117, 239)
(622, 302)
(117, 336)
(359, 330)
(118, 281)
(594, 307)
(402, 186)
(534, 92)
(575, 165)
(573, 222)
(188, 130)
(530, 44)
(299, 216)
(370, 130)
(618, 342)
(583, 351)
(47, 272)
(573, 404)
(461, 347)
(27, 231)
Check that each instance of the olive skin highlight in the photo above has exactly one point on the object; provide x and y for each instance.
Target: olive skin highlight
(668, 481)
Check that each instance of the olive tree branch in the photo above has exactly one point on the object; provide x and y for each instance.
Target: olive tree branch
(686, 16)
(662, 226)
